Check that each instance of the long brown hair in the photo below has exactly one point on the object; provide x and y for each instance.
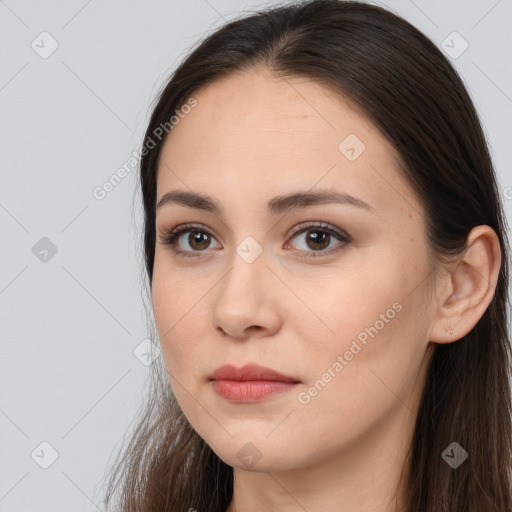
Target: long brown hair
(406, 86)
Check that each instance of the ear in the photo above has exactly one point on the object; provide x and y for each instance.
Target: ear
(468, 285)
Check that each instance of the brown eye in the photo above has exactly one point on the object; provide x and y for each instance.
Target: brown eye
(318, 239)
(196, 242)
(199, 240)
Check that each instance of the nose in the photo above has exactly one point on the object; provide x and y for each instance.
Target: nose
(246, 301)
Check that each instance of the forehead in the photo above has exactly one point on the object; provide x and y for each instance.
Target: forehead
(268, 135)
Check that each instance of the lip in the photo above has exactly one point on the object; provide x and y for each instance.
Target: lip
(251, 383)
(250, 372)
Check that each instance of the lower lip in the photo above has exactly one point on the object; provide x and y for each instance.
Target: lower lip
(250, 390)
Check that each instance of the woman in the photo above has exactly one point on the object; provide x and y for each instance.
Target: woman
(328, 270)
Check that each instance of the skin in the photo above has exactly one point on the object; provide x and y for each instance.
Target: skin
(251, 137)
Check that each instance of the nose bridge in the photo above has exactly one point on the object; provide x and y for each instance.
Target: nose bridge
(248, 270)
(245, 297)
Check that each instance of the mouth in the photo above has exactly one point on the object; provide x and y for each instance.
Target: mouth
(251, 383)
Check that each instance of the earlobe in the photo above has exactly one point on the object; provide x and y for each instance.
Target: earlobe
(469, 286)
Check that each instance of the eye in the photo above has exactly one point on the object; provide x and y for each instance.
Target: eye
(198, 238)
(319, 237)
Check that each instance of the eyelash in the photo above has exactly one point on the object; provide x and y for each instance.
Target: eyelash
(169, 237)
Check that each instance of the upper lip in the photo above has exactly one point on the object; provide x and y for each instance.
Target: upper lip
(249, 372)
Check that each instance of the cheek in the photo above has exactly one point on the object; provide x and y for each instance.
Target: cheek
(376, 351)
(177, 306)
(365, 373)
(343, 302)
(369, 321)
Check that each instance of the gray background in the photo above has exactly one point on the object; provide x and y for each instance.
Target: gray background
(72, 320)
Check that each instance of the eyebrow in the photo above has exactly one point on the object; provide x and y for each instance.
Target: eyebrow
(276, 206)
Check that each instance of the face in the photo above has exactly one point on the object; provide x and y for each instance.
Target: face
(332, 294)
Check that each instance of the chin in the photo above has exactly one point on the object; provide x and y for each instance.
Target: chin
(256, 455)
